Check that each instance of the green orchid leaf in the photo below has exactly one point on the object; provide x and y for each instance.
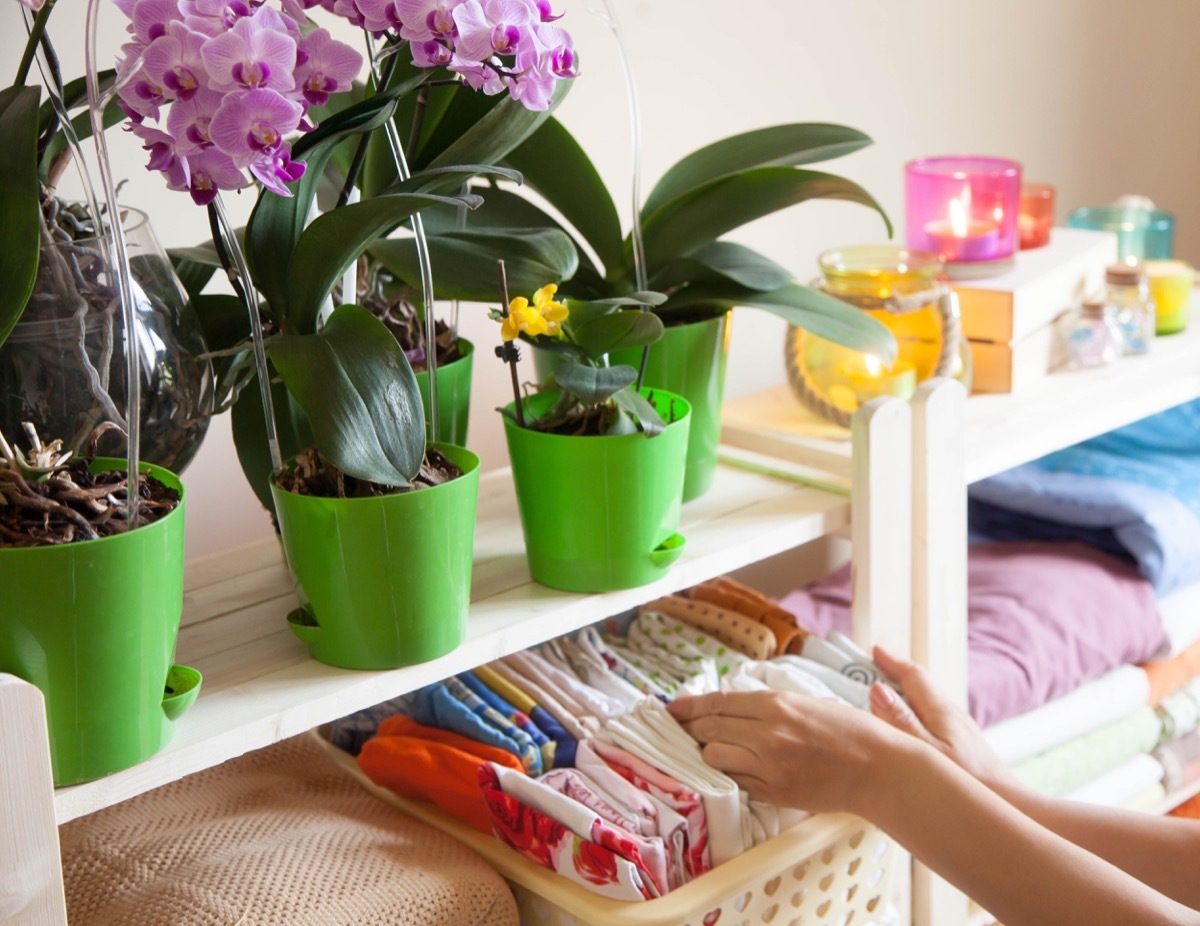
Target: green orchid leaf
(74, 95)
(504, 209)
(776, 146)
(424, 112)
(277, 222)
(802, 306)
(557, 168)
(580, 313)
(366, 116)
(194, 275)
(196, 265)
(501, 209)
(592, 384)
(20, 213)
(360, 394)
(449, 179)
(250, 435)
(490, 139)
(81, 125)
(648, 298)
(555, 346)
(636, 404)
(225, 325)
(698, 218)
(460, 109)
(622, 328)
(722, 260)
(334, 241)
(464, 262)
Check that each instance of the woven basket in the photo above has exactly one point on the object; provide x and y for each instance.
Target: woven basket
(831, 869)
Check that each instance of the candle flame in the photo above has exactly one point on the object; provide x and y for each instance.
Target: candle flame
(958, 215)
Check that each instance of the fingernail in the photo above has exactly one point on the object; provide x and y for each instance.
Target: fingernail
(883, 695)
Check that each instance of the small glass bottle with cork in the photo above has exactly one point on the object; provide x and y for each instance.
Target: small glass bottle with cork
(1127, 292)
(1092, 335)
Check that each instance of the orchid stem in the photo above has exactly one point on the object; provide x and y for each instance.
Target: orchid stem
(508, 352)
(226, 243)
(360, 153)
(35, 36)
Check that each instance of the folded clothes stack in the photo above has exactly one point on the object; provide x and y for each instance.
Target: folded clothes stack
(1083, 611)
(567, 753)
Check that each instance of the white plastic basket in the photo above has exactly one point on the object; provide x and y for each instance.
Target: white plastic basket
(831, 869)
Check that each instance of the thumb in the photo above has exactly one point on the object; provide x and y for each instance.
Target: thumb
(890, 708)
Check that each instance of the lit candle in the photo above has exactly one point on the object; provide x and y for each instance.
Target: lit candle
(868, 378)
(962, 238)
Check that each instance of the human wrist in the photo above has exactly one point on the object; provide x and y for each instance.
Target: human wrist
(897, 762)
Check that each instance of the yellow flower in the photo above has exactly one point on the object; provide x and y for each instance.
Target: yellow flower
(544, 316)
(522, 317)
(555, 313)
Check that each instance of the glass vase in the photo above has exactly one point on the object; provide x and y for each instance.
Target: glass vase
(63, 365)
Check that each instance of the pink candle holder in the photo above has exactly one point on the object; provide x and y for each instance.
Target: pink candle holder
(1037, 215)
(965, 210)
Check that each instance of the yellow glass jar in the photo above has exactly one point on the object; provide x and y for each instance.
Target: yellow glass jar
(903, 290)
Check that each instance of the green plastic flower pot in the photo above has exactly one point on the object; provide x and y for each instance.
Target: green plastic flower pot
(383, 582)
(93, 624)
(690, 360)
(454, 395)
(600, 513)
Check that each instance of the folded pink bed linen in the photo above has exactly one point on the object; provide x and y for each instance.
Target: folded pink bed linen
(1043, 619)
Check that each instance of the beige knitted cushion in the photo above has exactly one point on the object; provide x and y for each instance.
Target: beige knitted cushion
(279, 837)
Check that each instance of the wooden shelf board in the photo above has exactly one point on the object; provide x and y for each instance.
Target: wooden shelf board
(260, 686)
(1002, 431)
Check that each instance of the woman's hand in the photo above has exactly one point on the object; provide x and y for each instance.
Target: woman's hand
(931, 717)
(792, 750)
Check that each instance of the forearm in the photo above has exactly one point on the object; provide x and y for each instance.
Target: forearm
(1164, 853)
(1017, 869)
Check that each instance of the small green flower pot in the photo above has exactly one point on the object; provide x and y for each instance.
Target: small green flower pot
(690, 360)
(93, 624)
(384, 582)
(454, 396)
(600, 513)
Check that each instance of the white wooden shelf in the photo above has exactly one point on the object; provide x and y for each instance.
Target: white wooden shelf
(260, 686)
(1001, 431)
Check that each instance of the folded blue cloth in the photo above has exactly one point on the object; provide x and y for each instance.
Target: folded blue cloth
(1134, 492)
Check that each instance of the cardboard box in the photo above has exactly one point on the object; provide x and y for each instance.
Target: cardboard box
(1018, 365)
(1042, 283)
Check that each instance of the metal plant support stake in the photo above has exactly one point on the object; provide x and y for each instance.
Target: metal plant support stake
(609, 17)
(423, 263)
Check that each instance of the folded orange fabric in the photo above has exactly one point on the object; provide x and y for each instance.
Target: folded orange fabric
(734, 630)
(734, 596)
(1170, 675)
(428, 764)
(1189, 809)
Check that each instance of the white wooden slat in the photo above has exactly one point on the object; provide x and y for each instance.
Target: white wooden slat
(881, 525)
(777, 424)
(939, 563)
(218, 568)
(31, 892)
(940, 535)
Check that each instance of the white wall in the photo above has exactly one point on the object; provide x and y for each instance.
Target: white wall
(1095, 96)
